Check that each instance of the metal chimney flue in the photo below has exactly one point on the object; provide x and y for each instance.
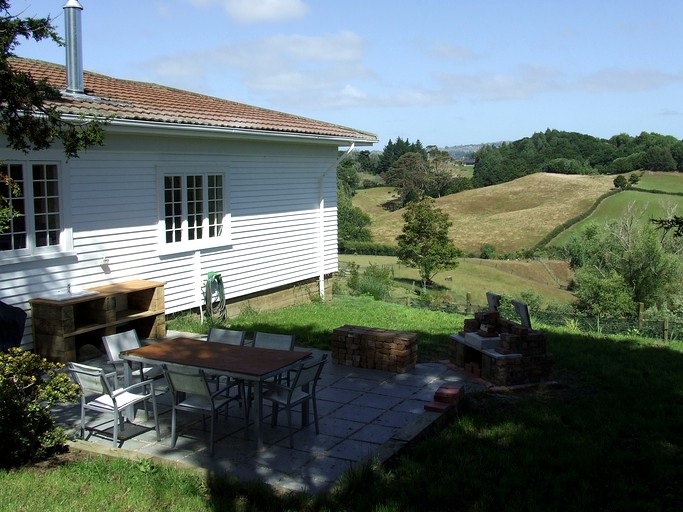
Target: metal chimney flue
(74, 49)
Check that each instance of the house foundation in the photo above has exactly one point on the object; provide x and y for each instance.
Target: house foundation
(301, 292)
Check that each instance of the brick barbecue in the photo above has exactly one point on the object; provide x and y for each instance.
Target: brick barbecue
(501, 351)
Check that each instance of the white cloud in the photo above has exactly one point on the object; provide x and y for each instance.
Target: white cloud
(259, 11)
(627, 80)
(444, 50)
(296, 62)
(524, 82)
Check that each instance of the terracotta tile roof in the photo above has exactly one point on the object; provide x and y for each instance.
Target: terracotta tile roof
(130, 100)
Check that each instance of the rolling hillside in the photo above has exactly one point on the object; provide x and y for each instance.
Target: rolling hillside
(509, 216)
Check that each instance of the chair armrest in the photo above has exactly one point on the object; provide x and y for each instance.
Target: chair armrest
(277, 386)
(141, 384)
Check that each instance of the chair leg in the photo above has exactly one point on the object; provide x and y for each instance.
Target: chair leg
(115, 435)
(156, 416)
(174, 434)
(213, 420)
(315, 415)
(82, 420)
(289, 423)
(273, 415)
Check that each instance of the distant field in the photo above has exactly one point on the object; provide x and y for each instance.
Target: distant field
(510, 216)
(648, 205)
(666, 181)
(547, 278)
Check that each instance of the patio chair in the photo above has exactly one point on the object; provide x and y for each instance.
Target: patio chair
(301, 390)
(228, 337)
(114, 344)
(271, 340)
(97, 395)
(191, 393)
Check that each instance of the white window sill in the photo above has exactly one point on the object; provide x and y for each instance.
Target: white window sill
(180, 248)
(15, 260)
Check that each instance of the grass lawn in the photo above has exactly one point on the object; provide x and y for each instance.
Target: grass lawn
(607, 437)
(549, 279)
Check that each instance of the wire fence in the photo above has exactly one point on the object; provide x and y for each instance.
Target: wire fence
(666, 330)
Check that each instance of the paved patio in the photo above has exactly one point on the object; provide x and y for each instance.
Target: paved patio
(363, 414)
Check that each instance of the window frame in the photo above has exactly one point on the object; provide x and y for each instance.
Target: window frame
(184, 172)
(64, 247)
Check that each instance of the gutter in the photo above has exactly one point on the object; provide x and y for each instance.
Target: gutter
(186, 130)
(321, 221)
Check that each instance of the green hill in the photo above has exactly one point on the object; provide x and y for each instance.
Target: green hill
(510, 216)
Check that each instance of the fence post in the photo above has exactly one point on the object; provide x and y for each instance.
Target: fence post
(641, 315)
(468, 305)
(666, 330)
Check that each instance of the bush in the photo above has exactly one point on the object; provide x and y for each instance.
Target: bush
(29, 385)
(369, 248)
(375, 281)
(487, 252)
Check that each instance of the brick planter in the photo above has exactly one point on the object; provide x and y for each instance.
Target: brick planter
(379, 349)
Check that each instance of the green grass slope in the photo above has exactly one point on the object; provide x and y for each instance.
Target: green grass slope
(646, 205)
(549, 279)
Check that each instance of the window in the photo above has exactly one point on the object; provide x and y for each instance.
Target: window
(194, 209)
(38, 228)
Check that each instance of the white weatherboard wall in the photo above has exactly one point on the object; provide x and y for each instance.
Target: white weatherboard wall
(111, 201)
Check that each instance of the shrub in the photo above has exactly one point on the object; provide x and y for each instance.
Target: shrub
(29, 385)
(375, 280)
(487, 252)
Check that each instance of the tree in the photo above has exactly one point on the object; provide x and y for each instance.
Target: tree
(30, 121)
(620, 182)
(353, 224)
(29, 118)
(394, 150)
(650, 265)
(409, 175)
(603, 295)
(424, 242)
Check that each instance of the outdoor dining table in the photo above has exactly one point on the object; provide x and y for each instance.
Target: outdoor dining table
(253, 365)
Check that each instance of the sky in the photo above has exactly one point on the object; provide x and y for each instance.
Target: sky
(445, 73)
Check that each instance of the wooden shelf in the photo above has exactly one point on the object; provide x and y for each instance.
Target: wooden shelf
(61, 327)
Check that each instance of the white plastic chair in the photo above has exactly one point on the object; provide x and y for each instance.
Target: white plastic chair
(301, 390)
(98, 395)
(114, 344)
(191, 393)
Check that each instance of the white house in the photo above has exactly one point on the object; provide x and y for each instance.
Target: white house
(184, 185)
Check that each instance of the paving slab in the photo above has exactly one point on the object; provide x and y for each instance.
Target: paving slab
(363, 414)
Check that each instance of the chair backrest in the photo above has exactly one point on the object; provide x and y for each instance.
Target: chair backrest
(227, 336)
(114, 344)
(90, 379)
(309, 371)
(186, 381)
(271, 340)
(493, 300)
(523, 311)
